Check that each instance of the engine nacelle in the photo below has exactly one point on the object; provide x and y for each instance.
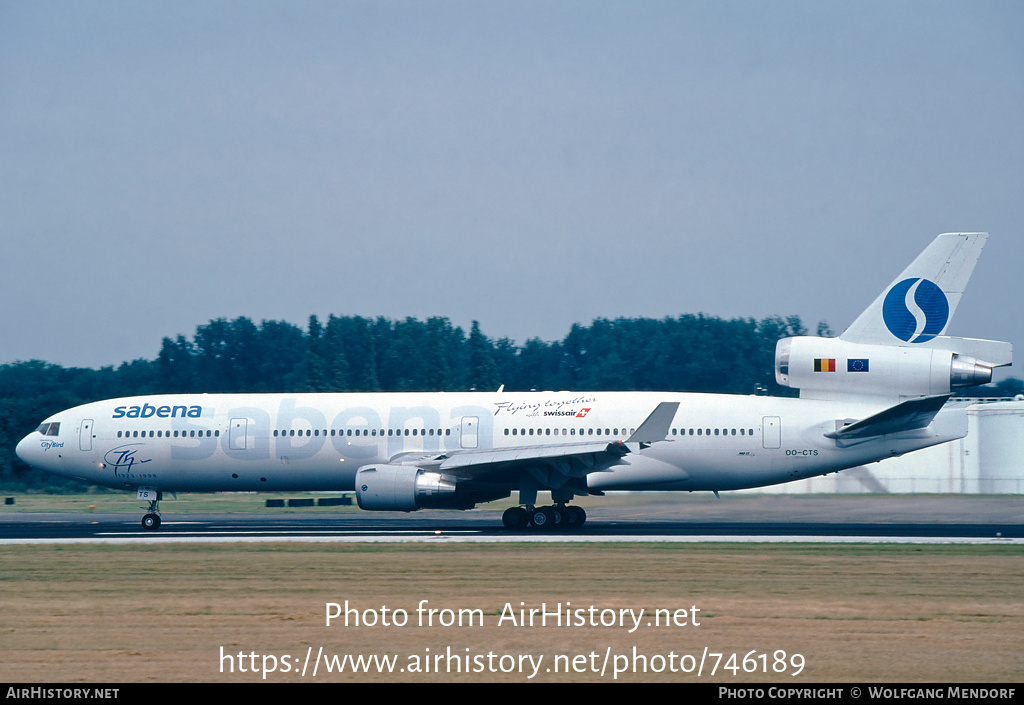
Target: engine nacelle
(404, 488)
(825, 368)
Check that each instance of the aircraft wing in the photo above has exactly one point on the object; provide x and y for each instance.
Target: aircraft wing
(557, 462)
(911, 415)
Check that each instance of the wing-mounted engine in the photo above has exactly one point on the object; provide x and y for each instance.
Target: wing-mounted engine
(833, 368)
(406, 488)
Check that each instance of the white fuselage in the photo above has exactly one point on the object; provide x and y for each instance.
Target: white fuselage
(245, 442)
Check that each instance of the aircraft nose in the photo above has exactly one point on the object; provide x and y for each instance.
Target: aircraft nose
(25, 448)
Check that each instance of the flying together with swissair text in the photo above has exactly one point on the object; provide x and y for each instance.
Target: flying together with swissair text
(878, 390)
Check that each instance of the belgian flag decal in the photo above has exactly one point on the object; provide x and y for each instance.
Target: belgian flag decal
(824, 364)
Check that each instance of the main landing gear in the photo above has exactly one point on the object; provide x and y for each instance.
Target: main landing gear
(554, 518)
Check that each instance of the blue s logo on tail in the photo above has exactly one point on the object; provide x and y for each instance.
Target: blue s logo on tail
(915, 310)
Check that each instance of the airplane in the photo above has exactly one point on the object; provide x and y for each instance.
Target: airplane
(878, 390)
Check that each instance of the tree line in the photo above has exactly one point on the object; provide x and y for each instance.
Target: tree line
(695, 353)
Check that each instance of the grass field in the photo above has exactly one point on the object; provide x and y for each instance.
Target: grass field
(852, 613)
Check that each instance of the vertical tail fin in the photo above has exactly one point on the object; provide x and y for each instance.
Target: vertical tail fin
(918, 305)
(896, 349)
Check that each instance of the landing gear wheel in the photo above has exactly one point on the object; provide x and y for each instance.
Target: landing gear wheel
(515, 518)
(574, 516)
(543, 518)
(152, 519)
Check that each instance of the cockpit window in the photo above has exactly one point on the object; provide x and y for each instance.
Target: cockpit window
(50, 429)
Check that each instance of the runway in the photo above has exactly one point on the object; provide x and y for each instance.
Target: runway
(745, 518)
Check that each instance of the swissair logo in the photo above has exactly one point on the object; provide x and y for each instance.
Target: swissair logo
(583, 412)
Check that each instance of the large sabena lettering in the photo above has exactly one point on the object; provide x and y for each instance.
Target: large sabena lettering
(163, 412)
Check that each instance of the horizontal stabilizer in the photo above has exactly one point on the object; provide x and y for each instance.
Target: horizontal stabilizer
(909, 416)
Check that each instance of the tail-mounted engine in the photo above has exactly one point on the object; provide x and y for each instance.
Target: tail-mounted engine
(827, 368)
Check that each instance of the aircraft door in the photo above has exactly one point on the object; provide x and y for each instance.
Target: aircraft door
(771, 431)
(85, 435)
(236, 434)
(470, 426)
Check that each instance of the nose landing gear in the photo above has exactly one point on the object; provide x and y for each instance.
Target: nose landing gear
(151, 521)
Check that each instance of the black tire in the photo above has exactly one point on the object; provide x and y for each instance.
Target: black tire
(515, 518)
(561, 518)
(151, 522)
(543, 518)
(574, 517)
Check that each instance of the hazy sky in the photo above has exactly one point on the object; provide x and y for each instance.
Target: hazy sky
(525, 164)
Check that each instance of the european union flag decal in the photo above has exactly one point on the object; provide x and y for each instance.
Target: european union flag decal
(858, 365)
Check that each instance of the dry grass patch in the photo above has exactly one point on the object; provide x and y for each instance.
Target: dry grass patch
(161, 613)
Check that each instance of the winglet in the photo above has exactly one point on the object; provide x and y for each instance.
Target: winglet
(655, 427)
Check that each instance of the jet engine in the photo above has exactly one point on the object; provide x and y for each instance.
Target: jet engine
(822, 368)
(405, 488)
